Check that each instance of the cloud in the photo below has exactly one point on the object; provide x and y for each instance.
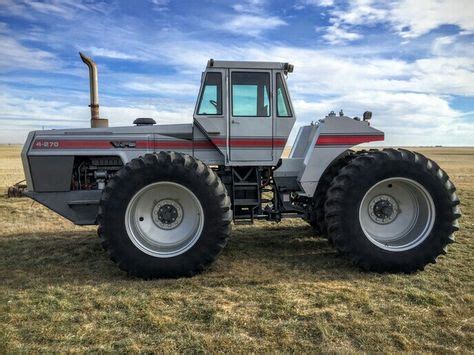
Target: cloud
(252, 19)
(109, 53)
(16, 55)
(394, 112)
(361, 12)
(251, 25)
(164, 88)
(458, 45)
(304, 3)
(358, 12)
(336, 35)
(67, 9)
(323, 73)
(3, 27)
(28, 110)
(160, 5)
(406, 118)
(23, 114)
(408, 18)
(168, 115)
(250, 6)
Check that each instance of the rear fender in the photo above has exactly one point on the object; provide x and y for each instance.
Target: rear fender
(332, 136)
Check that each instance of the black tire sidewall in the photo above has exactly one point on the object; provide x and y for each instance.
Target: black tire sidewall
(137, 261)
(359, 242)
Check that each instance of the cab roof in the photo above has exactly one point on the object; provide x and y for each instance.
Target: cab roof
(230, 64)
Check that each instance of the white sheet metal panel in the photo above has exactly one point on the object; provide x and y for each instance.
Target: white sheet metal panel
(334, 135)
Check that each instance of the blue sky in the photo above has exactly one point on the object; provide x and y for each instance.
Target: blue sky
(410, 62)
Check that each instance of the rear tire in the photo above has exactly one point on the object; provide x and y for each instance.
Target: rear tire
(164, 215)
(392, 210)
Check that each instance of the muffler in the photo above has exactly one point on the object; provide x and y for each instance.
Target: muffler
(96, 121)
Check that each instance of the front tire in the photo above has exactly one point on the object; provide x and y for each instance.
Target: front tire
(164, 215)
(392, 210)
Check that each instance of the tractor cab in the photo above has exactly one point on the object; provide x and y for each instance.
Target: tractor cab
(245, 110)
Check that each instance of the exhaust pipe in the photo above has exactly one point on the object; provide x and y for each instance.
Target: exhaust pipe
(96, 121)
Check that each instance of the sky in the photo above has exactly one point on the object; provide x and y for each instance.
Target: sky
(410, 62)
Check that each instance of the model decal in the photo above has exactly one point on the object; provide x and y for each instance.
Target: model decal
(46, 144)
(71, 144)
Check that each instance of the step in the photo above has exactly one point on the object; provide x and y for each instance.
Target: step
(245, 184)
(246, 202)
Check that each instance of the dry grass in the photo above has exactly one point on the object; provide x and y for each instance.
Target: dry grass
(275, 287)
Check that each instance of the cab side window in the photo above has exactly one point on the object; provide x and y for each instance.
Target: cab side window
(283, 106)
(250, 94)
(211, 97)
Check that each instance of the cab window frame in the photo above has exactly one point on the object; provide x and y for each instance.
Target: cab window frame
(219, 94)
(286, 99)
(267, 93)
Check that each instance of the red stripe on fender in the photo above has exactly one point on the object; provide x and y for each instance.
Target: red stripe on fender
(221, 142)
(279, 142)
(143, 144)
(164, 144)
(203, 144)
(347, 140)
(173, 144)
(250, 143)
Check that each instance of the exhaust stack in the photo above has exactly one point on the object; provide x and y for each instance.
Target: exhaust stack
(96, 121)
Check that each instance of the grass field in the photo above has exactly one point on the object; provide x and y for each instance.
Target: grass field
(275, 287)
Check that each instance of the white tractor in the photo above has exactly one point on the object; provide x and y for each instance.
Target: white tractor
(164, 196)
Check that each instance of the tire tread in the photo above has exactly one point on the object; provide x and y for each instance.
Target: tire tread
(166, 162)
(340, 189)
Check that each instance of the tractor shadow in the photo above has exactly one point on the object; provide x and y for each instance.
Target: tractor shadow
(287, 249)
(77, 256)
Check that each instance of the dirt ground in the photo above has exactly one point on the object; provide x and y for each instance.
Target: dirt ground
(275, 287)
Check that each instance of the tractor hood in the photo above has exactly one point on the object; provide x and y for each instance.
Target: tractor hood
(45, 147)
(180, 131)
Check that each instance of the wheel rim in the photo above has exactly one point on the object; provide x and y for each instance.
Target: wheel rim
(164, 219)
(397, 214)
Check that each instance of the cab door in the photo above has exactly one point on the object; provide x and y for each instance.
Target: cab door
(250, 136)
(210, 114)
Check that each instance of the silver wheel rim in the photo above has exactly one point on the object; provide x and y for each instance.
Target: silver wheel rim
(397, 214)
(164, 219)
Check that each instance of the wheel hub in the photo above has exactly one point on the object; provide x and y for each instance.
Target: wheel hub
(401, 224)
(383, 209)
(167, 214)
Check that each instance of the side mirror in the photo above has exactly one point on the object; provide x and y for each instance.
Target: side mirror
(367, 115)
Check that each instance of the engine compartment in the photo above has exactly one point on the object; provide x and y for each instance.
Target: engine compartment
(93, 173)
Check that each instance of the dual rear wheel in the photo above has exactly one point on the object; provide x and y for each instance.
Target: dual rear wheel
(391, 210)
